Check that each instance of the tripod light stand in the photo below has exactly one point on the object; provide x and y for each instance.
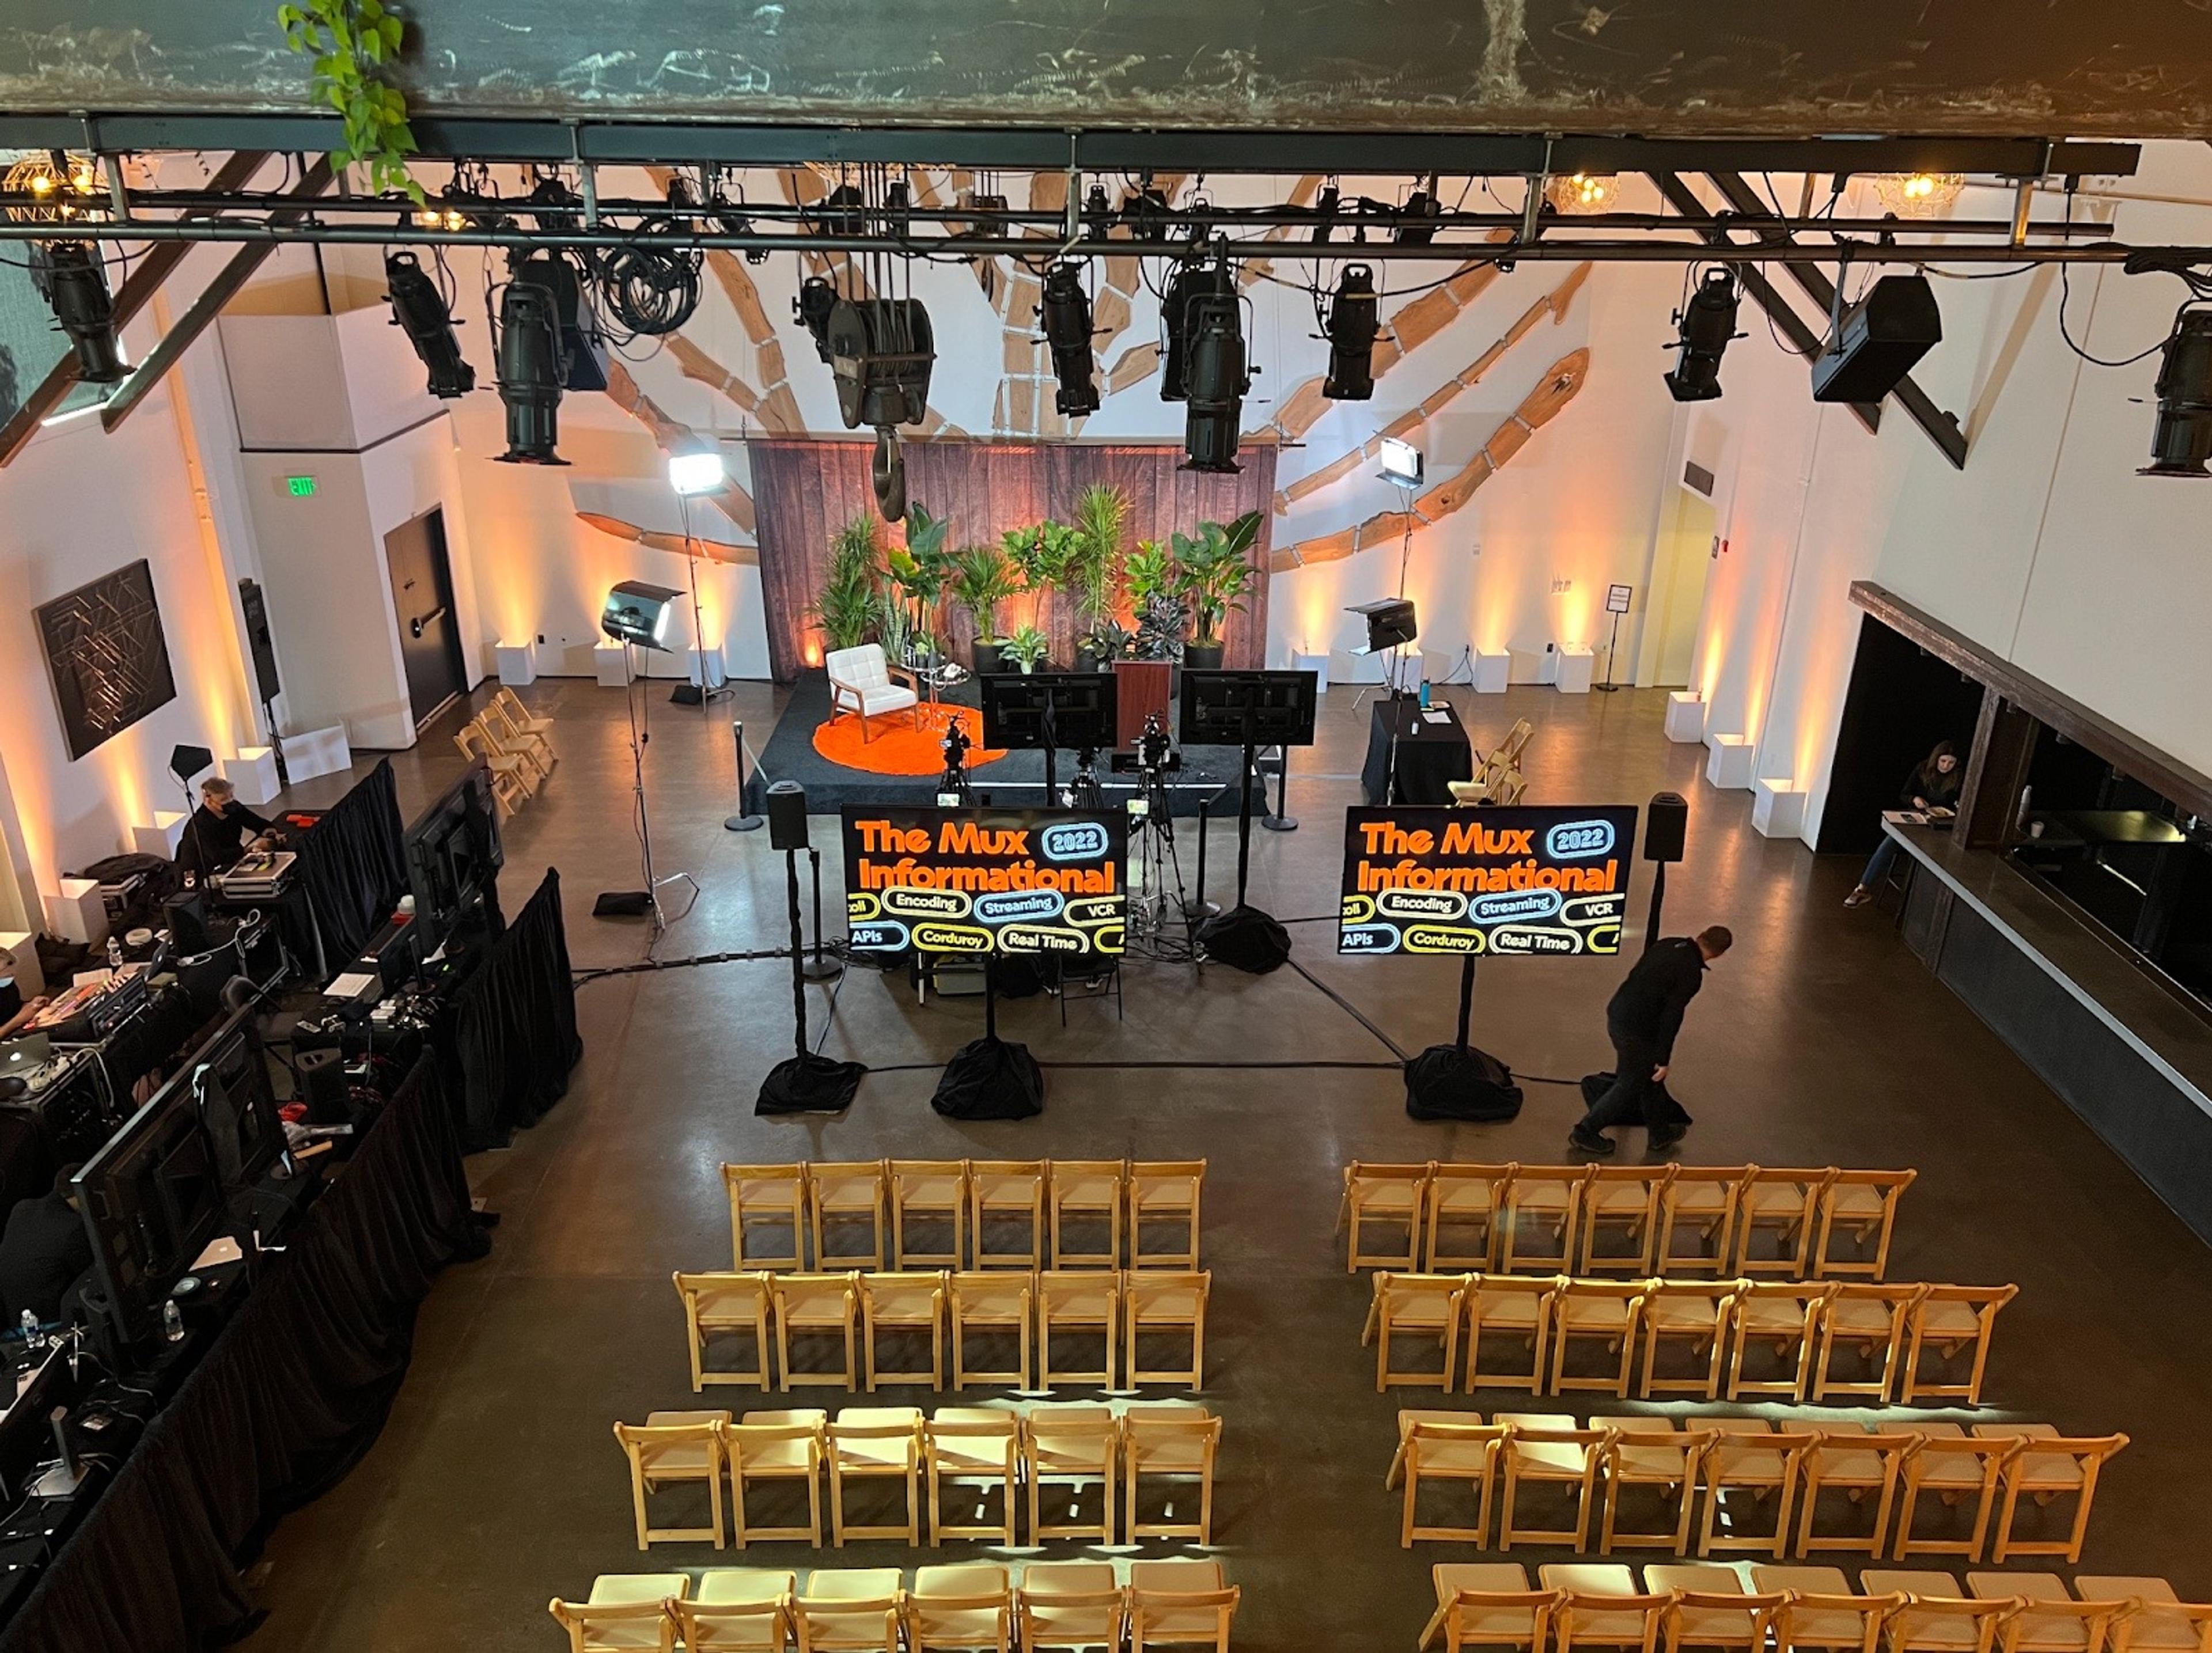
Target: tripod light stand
(636, 616)
(689, 474)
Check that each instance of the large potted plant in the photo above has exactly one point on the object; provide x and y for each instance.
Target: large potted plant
(1101, 514)
(1213, 574)
(1156, 595)
(983, 576)
(919, 572)
(845, 607)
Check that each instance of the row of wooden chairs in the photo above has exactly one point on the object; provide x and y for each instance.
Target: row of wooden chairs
(975, 1449)
(1881, 1470)
(1053, 1205)
(1490, 1604)
(1630, 1219)
(854, 1313)
(975, 1605)
(514, 746)
(1848, 1341)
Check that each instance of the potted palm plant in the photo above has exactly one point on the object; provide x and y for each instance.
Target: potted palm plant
(846, 608)
(1213, 574)
(983, 577)
(1026, 648)
(1101, 514)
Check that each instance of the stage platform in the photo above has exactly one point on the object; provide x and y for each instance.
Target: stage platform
(1015, 780)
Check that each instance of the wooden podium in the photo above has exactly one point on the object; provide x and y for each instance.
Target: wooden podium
(1140, 689)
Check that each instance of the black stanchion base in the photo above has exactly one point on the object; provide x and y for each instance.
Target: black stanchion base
(824, 968)
(1280, 822)
(1448, 1082)
(744, 823)
(1245, 939)
(1596, 1085)
(810, 1085)
(990, 1079)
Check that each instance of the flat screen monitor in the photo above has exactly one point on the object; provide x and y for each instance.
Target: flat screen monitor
(453, 857)
(1067, 711)
(230, 1080)
(151, 1200)
(1248, 708)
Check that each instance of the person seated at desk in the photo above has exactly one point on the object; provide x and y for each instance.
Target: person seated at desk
(23, 1018)
(1934, 785)
(220, 831)
(43, 1253)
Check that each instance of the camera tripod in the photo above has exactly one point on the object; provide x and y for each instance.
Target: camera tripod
(1084, 791)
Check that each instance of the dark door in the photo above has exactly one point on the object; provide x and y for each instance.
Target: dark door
(422, 598)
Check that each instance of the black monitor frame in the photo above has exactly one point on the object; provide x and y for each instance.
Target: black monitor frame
(151, 1200)
(454, 853)
(237, 1104)
(1050, 711)
(1248, 708)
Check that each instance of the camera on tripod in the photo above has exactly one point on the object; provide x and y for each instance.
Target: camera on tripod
(952, 788)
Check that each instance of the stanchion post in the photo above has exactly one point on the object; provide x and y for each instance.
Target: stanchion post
(1466, 997)
(1282, 820)
(1202, 856)
(819, 968)
(744, 820)
(797, 952)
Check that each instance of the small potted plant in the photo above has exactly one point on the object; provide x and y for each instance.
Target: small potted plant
(1155, 593)
(1026, 648)
(1213, 574)
(983, 577)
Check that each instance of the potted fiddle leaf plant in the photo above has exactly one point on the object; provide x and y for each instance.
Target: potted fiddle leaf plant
(1213, 573)
(1156, 595)
(1101, 515)
(1026, 648)
(983, 576)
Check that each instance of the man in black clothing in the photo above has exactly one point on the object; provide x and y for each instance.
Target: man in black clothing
(1642, 1020)
(220, 830)
(43, 1253)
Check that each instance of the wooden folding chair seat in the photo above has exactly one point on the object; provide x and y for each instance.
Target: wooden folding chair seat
(1953, 1319)
(718, 1306)
(1873, 1319)
(928, 1191)
(1600, 1605)
(773, 1195)
(1180, 1604)
(1550, 1199)
(1784, 1204)
(1785, 1315)
(1446, 1446)
(1937, 1616)
(875, 1444)
(1510, 1305)
(1548, 1450)
(517, 739)
(1079, 1300)
(1088, 1190)
(1588, 1311)
(1176, 1440)
(1463, 1200)
(1488, 1604)
(1002, 1192)
(642, 1625)
(842, 1197)
(1073, 1447)
(1391, 1197)
(817, 1307)
(966, 1607)
(1429, 1307)
(1164, 1194)
(979, 1447)
(1759, 1466)
(1861, 1207)
(1959, 1469)
(736, 1610)
(1861, 1466)
(1619, 1225)
(1646, 1452)
(1698, 1203)
(2050, 1467)
(513, 784)
(1822, 1610)
(2049, 1620)
(2157, 1620)
(765, 1447)
(535, 756)
(1692, 1312)
(849, 1610)
(908, 1305)
(1159, 1303)
(519, 714)
(998, 1304)
(1070, 1604)
(675, 1449)
(1712, 1609)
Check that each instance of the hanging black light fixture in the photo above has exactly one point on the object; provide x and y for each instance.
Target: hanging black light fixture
(1706, 324)
(530, 374)
(419, 311)
(1066, 313)
(2181, 440)
(1353, 321)
(1192, 280)
(1217, 384)
(68, 276)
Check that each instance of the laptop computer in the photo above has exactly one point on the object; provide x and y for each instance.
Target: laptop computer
(21, 1058)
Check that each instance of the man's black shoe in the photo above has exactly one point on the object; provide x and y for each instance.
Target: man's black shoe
(1666, 1140)
(1590, 1142)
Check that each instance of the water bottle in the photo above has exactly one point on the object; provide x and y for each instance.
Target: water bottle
(173, 1320)
(30, 1329)
(115, 954)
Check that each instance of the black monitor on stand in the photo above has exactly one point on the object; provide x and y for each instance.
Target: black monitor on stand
(1045, 711)
(1249, 709)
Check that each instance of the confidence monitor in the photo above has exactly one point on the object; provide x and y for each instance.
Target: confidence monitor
(1248, 708)
(1047, 711)
(454, 854)
(230, 1080)
(151, 1200)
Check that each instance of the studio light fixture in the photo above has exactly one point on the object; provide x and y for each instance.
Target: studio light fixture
(530, 374)
(1218, 379)
(1875, 342)
(1353, 321)
(1581, 193)
(1066, 313)
(2181, 440)
(70, 278)
(1418, 225)
(692, 474)
(1706, 324)
(1917, 195)
(419, 311)
(1192, 280)
(1401, 462)
(582, 350)
(811, 309)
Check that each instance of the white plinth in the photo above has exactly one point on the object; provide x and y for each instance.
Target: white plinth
(1345, 667)
(162, 837)
(1686, 717)
(1778, 809)
(1493, 670)
(318, 751)
(253, 773)
(518, 663)
(708, 660)
(610, 666)
(1316, 663)
(1576, 667)
(19, 962)
(1729, 766)
(78, 914)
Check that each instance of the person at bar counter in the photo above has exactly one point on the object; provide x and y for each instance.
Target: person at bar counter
(1642, 1020)
(220, 831)
(1934, 785)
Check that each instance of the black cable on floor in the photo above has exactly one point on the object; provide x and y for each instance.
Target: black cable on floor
(645, 966)
(1351, 1010)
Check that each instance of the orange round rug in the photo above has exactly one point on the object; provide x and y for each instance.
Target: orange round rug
(895, 746)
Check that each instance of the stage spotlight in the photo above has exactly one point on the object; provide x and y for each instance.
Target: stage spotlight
(68, 276)
(1353, 323)
(690, 474)
(2181, 440)
(1145, 212)
(1066, 315)
(637, 612)
(811, 309)
(1191, 282)
(1325, 210)
(418, 311)
(582, 353)
(530, 374)
(1706, 324)
(1218, 381)
(1418, 225)
(1878, 340)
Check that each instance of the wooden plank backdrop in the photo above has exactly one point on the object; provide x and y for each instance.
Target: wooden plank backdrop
(805, 491)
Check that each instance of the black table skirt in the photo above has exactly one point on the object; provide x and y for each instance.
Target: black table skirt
(1431, 755)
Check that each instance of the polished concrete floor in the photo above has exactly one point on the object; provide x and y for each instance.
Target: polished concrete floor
(1819, 1040)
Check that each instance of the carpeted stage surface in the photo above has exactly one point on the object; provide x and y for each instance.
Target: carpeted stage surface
(1209, 773)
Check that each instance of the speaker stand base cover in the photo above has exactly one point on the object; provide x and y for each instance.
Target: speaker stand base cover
(1448, 1082)
(1245, 939)
(810, 1085)
(990, 1079)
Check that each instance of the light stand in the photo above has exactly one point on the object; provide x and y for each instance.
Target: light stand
(744, 820)
(803, 1082)
(184, 763)
(708, 691)
(646, 903)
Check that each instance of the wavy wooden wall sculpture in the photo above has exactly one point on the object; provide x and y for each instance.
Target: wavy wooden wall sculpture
(674, 436)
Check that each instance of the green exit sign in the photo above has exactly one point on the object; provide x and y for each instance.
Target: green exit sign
(300, 487)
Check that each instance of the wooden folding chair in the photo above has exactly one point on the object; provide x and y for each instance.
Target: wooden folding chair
(846, 1195)
(2157, 1620)
(1429, 1307)
(967, 1607)
(1586, 1311)
(520, 715)
(1488, 1604)
(1599, 1604)
(674, 1448)
(1175, 1440)
(1712, 1609)
(994, 1303)
(1959, 1468)
(849, 1610)
(1822, 1610)
(1936, 1618)
(2051, 1467)
(1070, 1604)
(1446, 1446)
(1165, 1193)
(1954, 1320)
(1862, 1466)
(517, 739)
(1180, 1604)
(736, 1610)
(1747, 1457)
(1090, 1190)
(627, 1626)
(1695, 1312)
(766, 1194)
(718, 1306)
(1782, 1203)
(2049, 1620)
(1860, 1205)
(1620, 1204)
(875, 1444)
(1393, 1196)
(511, 784)
(1006, 1189)
(1462, 1197)
(817, 1306)
(1075, 1447)
(907, 1304)
(1081, 1301)
(763, 1446)
(1551, 1199)
(1548, 1450)
(1157, 1302)
(1518, 1305)
(1648, 1452)
(929, 1190)
(1787, 1315)
(979, 1447)
(1872, 1318)
(1698, 1201)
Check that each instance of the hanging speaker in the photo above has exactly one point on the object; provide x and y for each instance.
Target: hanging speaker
(1666, 826)
(255, 608)
(787, 814)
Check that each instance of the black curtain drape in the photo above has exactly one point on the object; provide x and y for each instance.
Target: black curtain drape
(514, 1024)
(354, 864)
(292, 1392)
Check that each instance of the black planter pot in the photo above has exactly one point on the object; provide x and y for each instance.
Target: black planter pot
(986, 659)
(1202, 657)
(1087, 661)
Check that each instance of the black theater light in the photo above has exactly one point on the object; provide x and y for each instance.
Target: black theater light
(419, 311)
(1217, 382)
(1352, 323)
(68, 276)
(530, 374)
(1066, 313)
(2181, 440)
(1706, 324)
(1191, 281)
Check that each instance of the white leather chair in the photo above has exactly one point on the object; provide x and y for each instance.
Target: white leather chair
(861, 682)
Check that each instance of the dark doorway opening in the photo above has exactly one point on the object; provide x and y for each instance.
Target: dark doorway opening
(422, 598)
(1902, 701)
